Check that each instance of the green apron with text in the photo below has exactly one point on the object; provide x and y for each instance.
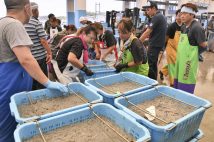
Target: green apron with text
(186, 65)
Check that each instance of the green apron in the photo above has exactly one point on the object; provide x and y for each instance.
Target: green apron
(186, 65)
(127, 57)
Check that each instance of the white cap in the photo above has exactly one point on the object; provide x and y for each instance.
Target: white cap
(82, 19)
(34, 5)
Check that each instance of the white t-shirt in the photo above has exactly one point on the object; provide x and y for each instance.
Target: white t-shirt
(53, 32)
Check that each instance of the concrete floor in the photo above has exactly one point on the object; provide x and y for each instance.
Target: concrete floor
(204, 89)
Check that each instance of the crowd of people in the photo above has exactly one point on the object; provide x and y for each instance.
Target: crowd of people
(27, 48)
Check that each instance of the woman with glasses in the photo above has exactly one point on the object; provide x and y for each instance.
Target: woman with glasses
(72, 49)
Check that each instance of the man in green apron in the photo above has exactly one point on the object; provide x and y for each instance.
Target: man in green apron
(133, 57)
(191, 39)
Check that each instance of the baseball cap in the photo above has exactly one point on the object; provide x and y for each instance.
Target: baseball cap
(82, 19)
(150, 4)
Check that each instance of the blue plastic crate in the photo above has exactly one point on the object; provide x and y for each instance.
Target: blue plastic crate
(94, 64)
(98, 73)
(197, 136)
(117, 78)
(179, 131)
(97, 65)
(120, 118)
(22, 98)
(103, 68)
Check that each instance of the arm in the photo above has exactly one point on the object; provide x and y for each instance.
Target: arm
(97, 50)
(41, 34)
(145, 34)
(44, 43)
(20, 42)
(133, 64)
(72, 58)
(29, 63)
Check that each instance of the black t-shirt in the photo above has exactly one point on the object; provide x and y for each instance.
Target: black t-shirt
(73, 45)
(158, 35)
(196, 33)
(172, 29)
(108, 38)
(138, 51)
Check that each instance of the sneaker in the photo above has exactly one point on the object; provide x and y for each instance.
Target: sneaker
(161, 75)
(200, 58)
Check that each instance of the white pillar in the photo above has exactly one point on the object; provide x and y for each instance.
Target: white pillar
(70, 12)
(80, 10)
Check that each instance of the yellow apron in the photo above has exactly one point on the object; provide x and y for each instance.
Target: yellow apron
(171, 53)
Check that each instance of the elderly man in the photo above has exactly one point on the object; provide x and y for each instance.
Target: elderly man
(17, 63)
(40, 49)
(156, 32)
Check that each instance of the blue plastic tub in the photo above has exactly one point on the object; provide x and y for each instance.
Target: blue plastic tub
(98, 73)
(197, 137)
(103, 68)
(117, 78)
(121, 119)
(22, 98)
(179, 131)
(95, 64)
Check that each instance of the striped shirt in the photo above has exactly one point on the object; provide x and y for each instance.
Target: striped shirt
(35, 30)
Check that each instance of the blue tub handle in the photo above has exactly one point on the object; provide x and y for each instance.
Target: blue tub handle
(172, 127)
(147, 140)
(12, 106)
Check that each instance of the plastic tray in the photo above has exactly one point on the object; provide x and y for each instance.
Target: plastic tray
(95, 64)
(179, 131)
(197, 136)
(121, 119)
(98, 73)
(22, 98)
(117, 78)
